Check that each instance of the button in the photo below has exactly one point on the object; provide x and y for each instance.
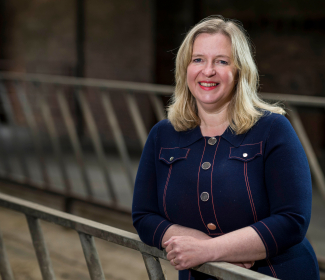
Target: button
(204, 196)
(245, 154)
(212, 226)
(212, 141)
(171, 158)
(206, 165)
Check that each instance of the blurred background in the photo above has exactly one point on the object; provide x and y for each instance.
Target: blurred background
(82, 82)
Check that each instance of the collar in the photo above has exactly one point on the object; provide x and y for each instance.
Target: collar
(190, 136)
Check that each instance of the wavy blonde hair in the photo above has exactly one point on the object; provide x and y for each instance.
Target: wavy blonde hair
(246, 107)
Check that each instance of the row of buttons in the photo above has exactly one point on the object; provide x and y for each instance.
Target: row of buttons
(204, 195)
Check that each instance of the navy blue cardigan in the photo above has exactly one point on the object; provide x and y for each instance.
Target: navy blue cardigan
(260, 179)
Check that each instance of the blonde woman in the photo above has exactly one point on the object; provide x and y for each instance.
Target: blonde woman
(225, 178)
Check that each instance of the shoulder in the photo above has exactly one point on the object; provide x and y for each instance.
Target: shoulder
(276, 122)
(269, 118)
(270, 121)
(164, 132)
(266, 125)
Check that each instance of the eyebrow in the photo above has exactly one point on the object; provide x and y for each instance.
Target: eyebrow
(221, 55)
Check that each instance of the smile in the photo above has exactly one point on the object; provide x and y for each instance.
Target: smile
(208, 84)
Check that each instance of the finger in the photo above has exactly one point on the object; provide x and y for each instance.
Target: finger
(173, 263)
(169, 248)
(170, 256)
(167, 242)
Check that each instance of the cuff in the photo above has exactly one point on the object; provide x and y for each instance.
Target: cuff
(159, 233)
(267, 238)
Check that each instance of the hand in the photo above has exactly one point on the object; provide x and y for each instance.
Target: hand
(185, 252)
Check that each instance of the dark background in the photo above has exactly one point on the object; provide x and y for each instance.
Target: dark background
(137, 40)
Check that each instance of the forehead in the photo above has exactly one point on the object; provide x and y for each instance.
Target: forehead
(217, 44)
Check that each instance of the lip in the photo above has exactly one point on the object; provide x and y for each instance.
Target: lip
(207, 82)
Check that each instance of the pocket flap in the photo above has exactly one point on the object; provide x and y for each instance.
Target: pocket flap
(246, 152)
(170, 155)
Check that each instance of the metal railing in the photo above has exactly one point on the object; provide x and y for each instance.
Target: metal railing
(87, 230)
(34, 94)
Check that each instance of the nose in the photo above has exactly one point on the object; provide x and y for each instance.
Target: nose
(209, 70)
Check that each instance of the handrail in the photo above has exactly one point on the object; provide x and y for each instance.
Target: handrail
(88, 229)
(146, 87)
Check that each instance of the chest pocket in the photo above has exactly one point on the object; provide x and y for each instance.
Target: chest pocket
(246, 152)
(171, 155)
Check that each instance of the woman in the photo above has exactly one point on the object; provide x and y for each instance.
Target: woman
(225, 178)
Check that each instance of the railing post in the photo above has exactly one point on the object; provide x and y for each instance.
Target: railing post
(5, 269)
(41, 251)
(54, 139)
(31, 121)
(153, 267)
(91, 256)
(158, 106)
(118, 137)
(137, 119)
(63, 104)
(12, 122)
(314, 165)
(94, 135)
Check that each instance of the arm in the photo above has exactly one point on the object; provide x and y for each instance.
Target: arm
(288, 186)
(147, 219)
(188, 248)
(178, 230)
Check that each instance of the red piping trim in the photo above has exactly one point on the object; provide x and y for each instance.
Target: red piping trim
(163, 235)
(165, 191)
(267, 249)
(271, 268)
(250, 193)
(198, 185)
(218, 233)
(153, 238)
(247, 159)
(214, 211)
(189, 274)
(276, 244)
(188, 150)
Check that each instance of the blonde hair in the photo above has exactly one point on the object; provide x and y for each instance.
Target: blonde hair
(246, 107)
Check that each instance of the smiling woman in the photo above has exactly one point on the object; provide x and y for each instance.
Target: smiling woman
(211, 77)
(225, 178)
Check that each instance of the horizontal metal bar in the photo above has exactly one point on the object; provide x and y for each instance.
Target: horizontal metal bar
(120, 237)
(302, 100)
(152, 89)
(72, 81)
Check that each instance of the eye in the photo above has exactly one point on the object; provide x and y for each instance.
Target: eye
(223, 62)
(197, 60)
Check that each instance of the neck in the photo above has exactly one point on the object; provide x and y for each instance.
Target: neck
(214, 123)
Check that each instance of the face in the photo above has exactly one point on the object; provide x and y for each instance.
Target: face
(211, 73)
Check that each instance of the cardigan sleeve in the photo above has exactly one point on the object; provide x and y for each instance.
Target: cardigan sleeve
(147, 219)
(288, 185)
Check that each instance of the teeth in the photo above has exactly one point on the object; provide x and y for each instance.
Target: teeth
(208, 84)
